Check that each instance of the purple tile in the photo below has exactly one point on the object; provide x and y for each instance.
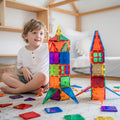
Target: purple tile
(51, 58)
(30, 99)
(109, 109)
(16, 96)
(56, 58)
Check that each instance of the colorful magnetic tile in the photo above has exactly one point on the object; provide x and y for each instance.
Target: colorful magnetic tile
(104, 118)
(58, 32)
(98, 69)
(54, 70)
(64, 58)
(74, 117)
(29, 115)
(2, 95)
(64, 69)
(109, 109)
(64, 96)
(5, 105)
(77, 86)
(54, 82)
(65, 81)
(16, 96)
(50, 93)
(70, 93)
(97, 81)
(22, 106)
(118, 87)
(65, 48)
(59, 45)
(53, 110)
(115, 90)
(52, 47)
(56, 96)
(55, 38)
(63, 38)
(54, 58)
(30, 99)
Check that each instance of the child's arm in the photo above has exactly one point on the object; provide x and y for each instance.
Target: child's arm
(27, 74)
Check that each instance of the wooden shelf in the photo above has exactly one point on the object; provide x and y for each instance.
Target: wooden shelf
(41, 14)
(23, 6)
(8, 55)
(10, 29)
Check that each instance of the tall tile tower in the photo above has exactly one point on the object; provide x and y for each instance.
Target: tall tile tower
(59, 68)
(97, 68)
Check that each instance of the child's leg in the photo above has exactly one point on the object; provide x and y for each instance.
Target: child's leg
(11, 80)
(39, 80)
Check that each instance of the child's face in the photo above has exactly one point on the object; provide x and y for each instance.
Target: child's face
(35, 38)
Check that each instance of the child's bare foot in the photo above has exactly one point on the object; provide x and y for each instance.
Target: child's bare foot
(7, 89)
(38, 91)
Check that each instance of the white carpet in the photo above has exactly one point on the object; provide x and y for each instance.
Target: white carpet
(87, 108)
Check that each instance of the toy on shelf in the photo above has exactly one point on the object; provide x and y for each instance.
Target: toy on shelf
(59, 68)
(97, 70)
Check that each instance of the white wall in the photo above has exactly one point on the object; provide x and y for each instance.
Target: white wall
(63, 20)
(11, 42)
(108, 24)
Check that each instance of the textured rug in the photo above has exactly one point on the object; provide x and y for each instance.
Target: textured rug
(86, 108)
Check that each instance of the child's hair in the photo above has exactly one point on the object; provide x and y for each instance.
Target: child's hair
(32, 25)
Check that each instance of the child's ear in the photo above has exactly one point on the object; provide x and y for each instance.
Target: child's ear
(25, 37)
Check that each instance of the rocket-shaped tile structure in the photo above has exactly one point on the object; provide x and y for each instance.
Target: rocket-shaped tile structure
(97, 68)
(59, 68)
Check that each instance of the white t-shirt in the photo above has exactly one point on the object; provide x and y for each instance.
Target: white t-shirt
(36, 60)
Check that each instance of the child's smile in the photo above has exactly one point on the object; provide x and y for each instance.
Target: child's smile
(35, 38)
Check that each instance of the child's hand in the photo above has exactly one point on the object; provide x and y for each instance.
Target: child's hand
(27, 74)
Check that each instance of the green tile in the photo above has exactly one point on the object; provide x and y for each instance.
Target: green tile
(100, 59)
(63, 72)
(95, 54)
(74, 117)
(100, 54)
(95, 59)
(62, 67)
(65, 81)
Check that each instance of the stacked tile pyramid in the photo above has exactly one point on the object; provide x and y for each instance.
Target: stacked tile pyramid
(59, 68)
(97, 69)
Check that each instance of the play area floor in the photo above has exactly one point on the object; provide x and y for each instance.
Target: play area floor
(87, 108)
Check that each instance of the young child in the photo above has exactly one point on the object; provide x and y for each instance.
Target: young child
(32, 62)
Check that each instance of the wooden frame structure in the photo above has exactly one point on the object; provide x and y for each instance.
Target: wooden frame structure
(42, 14)
(53, 6)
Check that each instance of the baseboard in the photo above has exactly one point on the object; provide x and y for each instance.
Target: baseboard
(88, 76)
